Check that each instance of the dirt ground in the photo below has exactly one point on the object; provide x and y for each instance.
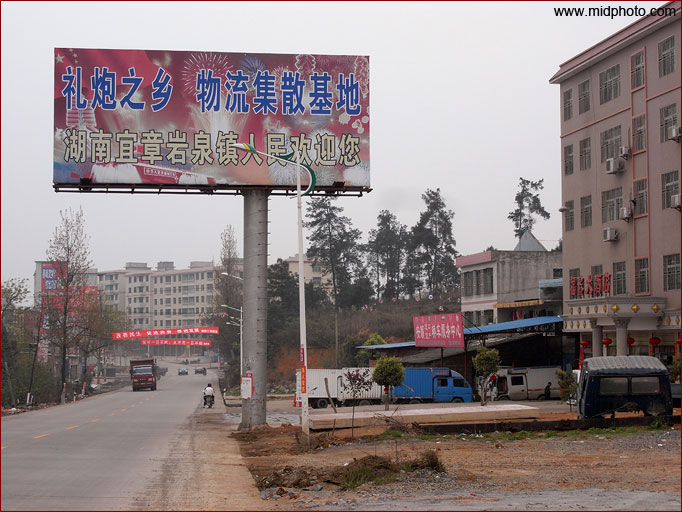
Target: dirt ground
(640, 460)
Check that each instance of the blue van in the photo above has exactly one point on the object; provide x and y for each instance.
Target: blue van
(623, 383)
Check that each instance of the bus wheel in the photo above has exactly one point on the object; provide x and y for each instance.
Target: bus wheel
(364, 402)
(321, 403)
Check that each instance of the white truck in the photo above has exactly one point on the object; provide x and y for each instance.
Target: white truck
(317, 392)
(525, 383)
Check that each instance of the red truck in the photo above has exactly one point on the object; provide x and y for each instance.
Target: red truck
(144, 374)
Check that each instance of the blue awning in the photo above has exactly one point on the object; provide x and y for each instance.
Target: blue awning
(484, 329)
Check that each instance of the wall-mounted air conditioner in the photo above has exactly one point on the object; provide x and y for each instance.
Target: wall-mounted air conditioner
(674, 133)
(675, 201)
(614, 165)
(625, 213)
(609, 235)
(624, 152)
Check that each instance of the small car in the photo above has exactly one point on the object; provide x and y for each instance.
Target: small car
(183, 371)
(200, 369)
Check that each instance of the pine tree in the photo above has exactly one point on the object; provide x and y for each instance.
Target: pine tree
(527, 205)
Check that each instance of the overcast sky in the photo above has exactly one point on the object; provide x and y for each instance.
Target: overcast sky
(459, 97)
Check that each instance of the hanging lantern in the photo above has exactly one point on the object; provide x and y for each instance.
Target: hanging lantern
(654, 341)
(630, 341)
(678, 341)
(583, 344)
(606, 341)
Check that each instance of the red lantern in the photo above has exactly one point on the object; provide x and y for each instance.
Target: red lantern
(606, 341)
(583, 344)
(630, 341)
(653, 342)
(678, 341)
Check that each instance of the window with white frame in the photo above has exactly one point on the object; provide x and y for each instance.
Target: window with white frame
(568, 159)
(609, 84)
(487, 281)
(583, 96)
(611, 202)
(585, 154)
(638, 134)
(642, 275)
(670, 186)
(666, 56)
(668, 119)
(640, 196)
(585, 211)
(610, 142)
(569, 216)
(671, 272)
(637, 70)
(568, 104)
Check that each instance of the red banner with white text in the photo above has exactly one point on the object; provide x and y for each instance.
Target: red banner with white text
(125, 335)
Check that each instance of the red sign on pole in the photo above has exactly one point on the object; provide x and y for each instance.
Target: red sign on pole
(443, 330)
(303, 382)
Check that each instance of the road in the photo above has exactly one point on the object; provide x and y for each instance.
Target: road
(96, 454)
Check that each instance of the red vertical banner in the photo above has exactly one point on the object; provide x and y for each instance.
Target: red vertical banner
(303, 382)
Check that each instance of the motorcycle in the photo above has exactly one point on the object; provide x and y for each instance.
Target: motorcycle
(208, 401)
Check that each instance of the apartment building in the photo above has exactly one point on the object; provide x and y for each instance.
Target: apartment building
(620, 172)
(501, 286)
(312, 272)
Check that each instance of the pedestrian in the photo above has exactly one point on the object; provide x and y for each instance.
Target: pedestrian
(548, 390)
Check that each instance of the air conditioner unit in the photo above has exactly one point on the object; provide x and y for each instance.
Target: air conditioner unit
(625, 213)
(675, 201)
(609, 235)
(614, 165)
(674, 133)
(624, 152)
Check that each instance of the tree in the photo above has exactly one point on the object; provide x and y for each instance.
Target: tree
(69, 256)
(389, 371)
(674, 369)
(386, 248)
(356, 382)
(432, 243)
(527, 205)
(567, 385)
(486, 362)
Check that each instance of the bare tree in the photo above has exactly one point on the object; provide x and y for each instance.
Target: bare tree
(69, 255)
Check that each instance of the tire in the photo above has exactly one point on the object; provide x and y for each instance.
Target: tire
(153, 388)
(457, 400)
(415, 401)
(364, 402)
(321, 403)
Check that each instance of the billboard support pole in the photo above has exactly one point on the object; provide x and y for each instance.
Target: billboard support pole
(255, 305)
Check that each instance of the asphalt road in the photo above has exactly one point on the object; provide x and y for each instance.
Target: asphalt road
(98, 453)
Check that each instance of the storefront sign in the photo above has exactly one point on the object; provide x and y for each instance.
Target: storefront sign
(590, 286)
(438, 330)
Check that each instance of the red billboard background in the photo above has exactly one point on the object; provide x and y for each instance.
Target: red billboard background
(444, 330)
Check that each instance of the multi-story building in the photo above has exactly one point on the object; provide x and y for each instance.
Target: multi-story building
(312, 272)
(501, 286)
(620, 173)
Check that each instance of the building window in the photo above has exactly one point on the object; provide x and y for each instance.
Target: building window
(619, 278)
(568, 104)
(668, 119)
(610, 142)
(317, 281)
(477, 282)
(317, 267)
(637, 70)
(468, 284)
(670, 186)
(585, 154)
(666, 56)
(487, 281)
(611, 201)
(596, 270)
(584, 96)
(638, 134)
(609, 84)
(569, 216)
(489, 316)
(642, 275)
(557, 273)
(568, 159)
(671, 272)
(640, 196)
(585, 211)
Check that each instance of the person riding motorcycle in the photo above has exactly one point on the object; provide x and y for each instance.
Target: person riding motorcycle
(208, 395)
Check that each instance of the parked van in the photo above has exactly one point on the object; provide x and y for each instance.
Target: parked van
(526, 383)
(623, 383)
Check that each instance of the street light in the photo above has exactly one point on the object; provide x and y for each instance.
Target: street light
(301, 282)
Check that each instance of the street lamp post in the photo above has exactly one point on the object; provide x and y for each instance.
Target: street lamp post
(301, 281)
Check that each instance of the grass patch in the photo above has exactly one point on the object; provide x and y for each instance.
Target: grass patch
(390, 434)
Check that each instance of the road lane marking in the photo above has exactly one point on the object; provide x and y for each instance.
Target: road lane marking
(41, 435)
(111, 414)
(74, 426)
(95, 420)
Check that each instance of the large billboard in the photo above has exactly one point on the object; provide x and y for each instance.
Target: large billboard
(167, 121)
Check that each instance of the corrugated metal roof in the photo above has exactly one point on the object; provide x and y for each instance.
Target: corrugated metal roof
(624, 364)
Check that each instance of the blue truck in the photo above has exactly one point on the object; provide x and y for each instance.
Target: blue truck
(432, 385)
